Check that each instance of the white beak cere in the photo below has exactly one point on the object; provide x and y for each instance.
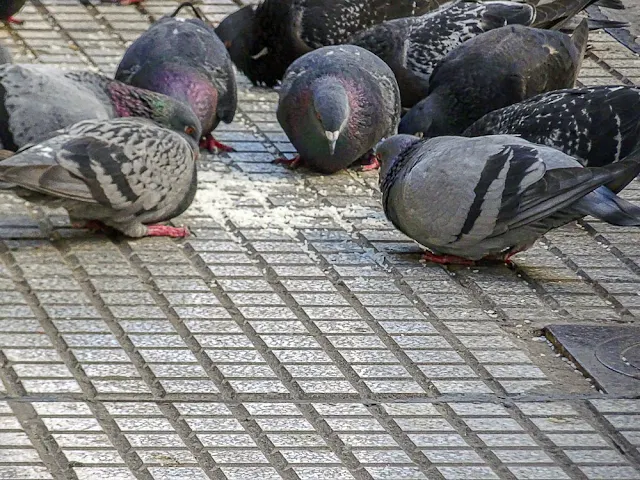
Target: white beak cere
(333, 139)
(261, 53)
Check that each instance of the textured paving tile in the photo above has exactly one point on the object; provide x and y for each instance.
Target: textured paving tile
(297, 336)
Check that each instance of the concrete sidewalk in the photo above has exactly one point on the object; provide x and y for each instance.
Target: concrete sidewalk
(297, 336)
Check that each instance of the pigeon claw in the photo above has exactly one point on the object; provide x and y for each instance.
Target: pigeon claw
(15, 21)
(167, 231)
(212, 145)
(292, 163)
(447, 259)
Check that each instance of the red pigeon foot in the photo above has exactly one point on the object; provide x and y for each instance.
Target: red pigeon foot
(372, 163)
(211, 144)
(167, 231)
(15, 21)
(292, 163)
(447, 259)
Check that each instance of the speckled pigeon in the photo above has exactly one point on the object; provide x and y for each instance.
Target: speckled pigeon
(8, 8)
(493, 70)
(413, 46)
(335, 104)
(264, 40)
(467, 199)
(597, 125)
(125, 173)
(38, 99)
(5, 54)
(185, 60)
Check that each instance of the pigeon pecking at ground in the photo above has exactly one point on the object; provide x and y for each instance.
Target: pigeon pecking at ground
(597, 125)
(125, 173)
(8, 8)
(5, 55)
(467, 199)
(264, 40)
(187, 61)
(335, 104)
(413, 46)
(493, 70)
(38, 99)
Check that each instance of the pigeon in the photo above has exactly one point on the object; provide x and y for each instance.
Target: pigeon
(468, 199)
(5, 55)
(264, 40)
(335, 104)
(493, 70)
(38, 99)
(187, 61)
(413, 46)
(8, 8)
(126, 173)
(597, 125)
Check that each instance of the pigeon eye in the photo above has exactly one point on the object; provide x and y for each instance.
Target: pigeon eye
(189, 130)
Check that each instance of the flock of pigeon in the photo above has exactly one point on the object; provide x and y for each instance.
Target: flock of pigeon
(468, 108)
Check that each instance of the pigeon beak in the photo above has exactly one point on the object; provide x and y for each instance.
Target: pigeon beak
(260, 54)
(333, 139)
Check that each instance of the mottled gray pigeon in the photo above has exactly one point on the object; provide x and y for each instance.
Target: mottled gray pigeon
(5, 54)
(38, 99)
(264, 40)
(126, 173)
(187, 61)
(335, 104)
(493, 70)
(413, 46)
(467, 199)
(8, 8)
(597, 125)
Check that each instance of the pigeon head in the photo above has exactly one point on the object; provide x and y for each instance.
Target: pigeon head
(426, 119)
(390, 152)
(260, 41)
(177, 116)
(330, 102)
(236, 32)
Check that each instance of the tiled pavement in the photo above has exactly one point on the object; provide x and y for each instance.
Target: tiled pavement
(297, 336)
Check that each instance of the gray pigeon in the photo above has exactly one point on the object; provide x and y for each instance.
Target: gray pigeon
(597, 125)
(126, 173)
(38, 99)
(467, 199)
(265, 39)
(493, 70)
(335, 104)
(413, 46)
(5, 54)
(187, 61)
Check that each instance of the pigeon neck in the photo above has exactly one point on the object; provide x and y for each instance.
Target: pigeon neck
(130, 101)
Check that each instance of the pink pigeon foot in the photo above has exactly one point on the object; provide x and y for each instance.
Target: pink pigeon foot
(167, 231)
(447, 259)
(15, 21)
(292, 163)
(372, 163)
(211, 144)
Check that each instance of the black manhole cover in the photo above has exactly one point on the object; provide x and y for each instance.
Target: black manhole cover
(609, 355)
(617, 353)
(632, 356)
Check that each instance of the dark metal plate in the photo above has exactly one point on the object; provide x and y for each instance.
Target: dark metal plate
(609, 355)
